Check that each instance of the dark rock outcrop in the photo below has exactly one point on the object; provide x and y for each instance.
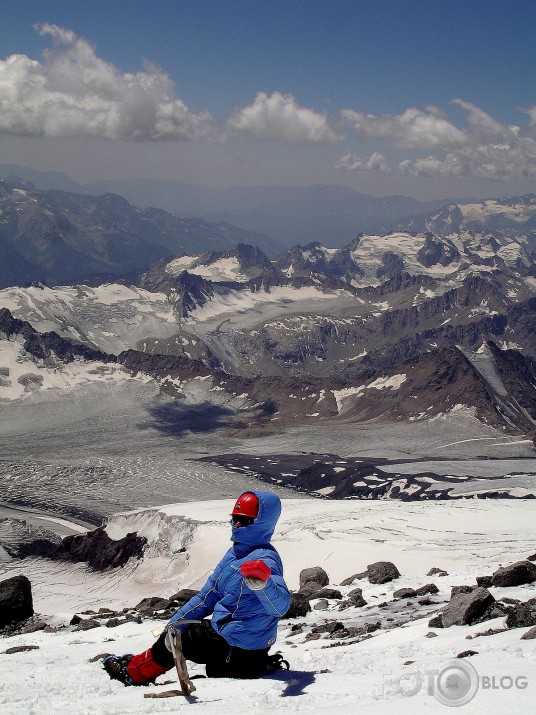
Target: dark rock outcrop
(99, 550)
(16, 603)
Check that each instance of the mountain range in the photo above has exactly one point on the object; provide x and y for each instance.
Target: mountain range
(400, 326)
(332, 214)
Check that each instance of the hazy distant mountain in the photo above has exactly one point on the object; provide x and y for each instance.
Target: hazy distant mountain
(43, 180)
(59, 237)
(330, 214)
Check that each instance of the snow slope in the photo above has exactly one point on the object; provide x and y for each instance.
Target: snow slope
(395, 670)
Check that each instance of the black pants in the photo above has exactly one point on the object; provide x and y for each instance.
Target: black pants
(201, 644)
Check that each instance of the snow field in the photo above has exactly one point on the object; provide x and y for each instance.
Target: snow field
(328, 676)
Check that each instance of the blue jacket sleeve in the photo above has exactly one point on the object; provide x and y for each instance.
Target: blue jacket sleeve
(202, 604)
(275, 596)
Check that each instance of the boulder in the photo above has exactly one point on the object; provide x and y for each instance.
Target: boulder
(152, 603)
(181, 597)
(529, 635)
(382, 572)
(299, 606)
(310, 589)
(321, 604)
(436, 621)
(356, 598)
(522, 615)
(87, 625)
(404, 593)
(515, 575)
(356, 577)
(465, 608)
(437, 572)
(315, 574)
(331, 593)
(427, 588)
(16, 603)
(484, 581)
(467, 653)
(455, 590)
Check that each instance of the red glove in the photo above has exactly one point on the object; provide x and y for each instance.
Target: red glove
(256, 569)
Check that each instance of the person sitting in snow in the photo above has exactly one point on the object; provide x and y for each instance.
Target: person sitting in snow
(246, 596)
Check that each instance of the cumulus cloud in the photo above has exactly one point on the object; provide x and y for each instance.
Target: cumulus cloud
(278, 116)
(531, 111)
(484, 148)
(375, 162)
(413, 129)
(74, 93)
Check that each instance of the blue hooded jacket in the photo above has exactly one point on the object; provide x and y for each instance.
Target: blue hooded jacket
(245, 618)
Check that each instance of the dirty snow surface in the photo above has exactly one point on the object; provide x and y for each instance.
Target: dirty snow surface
(397, 668)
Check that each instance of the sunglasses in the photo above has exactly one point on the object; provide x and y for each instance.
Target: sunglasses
(242, 520)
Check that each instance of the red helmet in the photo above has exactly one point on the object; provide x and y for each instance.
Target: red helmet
(246, 505)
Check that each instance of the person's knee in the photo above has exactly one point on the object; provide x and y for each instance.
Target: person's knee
(161, 654)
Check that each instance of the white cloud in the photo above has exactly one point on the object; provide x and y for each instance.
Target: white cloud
(413, 129)
(278, 116)
(531, 111)
(484, 148)
(74, 93)
(375, 162)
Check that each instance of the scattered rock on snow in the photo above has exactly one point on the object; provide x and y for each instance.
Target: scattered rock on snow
(299, 606)
(321, 604)
(455, 590)
(331, 593)
(484, 581)
(466, 608)
(356, 598)
(404, 593)
(467, 653)
(20, 649)
(427, 588)
(382, 572)
(315, 574)
(436, 622)
(356, 577)
(529, 635)
(515, 575)
(436, 572)
(522, 615)
(16, 602)
(87, 625)
(310, 589)
(181, 597)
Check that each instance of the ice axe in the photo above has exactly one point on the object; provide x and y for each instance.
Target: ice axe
(173, 637)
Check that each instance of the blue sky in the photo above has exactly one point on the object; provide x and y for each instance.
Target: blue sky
(425, 98)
